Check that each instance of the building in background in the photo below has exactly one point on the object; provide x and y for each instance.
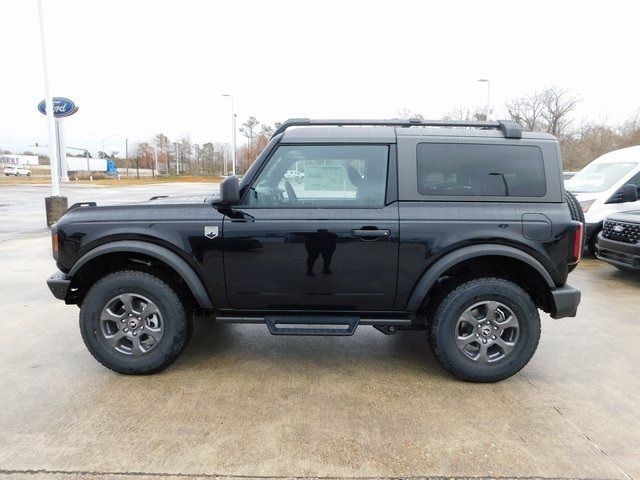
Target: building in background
(18, 160)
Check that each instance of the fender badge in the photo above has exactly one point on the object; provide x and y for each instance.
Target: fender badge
(210, 232)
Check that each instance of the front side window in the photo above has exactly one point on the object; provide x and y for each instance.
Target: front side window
(322, 176)
(447, 169)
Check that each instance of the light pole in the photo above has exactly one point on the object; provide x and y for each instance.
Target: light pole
(55, 205)
(51, 125)
(233, 134)
(177, 160)
(103, 139)
(488, 106)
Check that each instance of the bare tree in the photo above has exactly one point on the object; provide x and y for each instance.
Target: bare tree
(408, 114)
(162, 144)
(558, 105)
(248, 129)
(466, 114)
(549, 110)
(527, 111)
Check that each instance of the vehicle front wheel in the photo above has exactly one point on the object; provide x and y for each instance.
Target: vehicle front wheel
(134, 323)
(485, 330)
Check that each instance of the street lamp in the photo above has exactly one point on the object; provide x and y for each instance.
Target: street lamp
(233, 134)
(103, 139)
(488, 106)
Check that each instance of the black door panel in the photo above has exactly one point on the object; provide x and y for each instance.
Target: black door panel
(312, 258)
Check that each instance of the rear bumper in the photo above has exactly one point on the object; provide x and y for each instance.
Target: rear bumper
(59, 283)
(565, 301)
(619, 254)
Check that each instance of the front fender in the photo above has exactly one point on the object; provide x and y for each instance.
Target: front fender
(163, 254)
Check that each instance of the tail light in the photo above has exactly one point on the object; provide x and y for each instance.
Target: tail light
(576, 252)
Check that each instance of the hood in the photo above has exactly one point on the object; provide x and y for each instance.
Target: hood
(632, 216)
(585, 196)
(155, 209)
(181, 200)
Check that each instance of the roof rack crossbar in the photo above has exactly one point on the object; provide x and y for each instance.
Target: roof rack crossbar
(509, 129)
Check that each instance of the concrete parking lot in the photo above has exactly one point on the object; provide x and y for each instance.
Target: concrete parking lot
(240, 402)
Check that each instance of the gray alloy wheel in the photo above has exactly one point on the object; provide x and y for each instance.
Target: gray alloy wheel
(131, 324)
(487, 331)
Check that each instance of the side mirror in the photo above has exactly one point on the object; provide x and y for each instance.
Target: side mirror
(629, 193)
(230, 191)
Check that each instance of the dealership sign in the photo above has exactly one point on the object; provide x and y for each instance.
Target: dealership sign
(62, 107)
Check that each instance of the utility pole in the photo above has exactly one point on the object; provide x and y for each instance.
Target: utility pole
(177, 160)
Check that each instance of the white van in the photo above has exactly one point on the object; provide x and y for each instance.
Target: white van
(604, 187)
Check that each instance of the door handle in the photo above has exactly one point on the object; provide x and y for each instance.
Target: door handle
(370, 233)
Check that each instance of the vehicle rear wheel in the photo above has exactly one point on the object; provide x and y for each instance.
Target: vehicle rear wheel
(485, 330)
(134, 323)
(576, 214)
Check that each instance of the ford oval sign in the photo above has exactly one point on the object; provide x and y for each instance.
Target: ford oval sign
(62, 107)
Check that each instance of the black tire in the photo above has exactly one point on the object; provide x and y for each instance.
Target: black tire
(591, 243)
(574, 207)
(576, 214)
(443, 331)
(176, 323)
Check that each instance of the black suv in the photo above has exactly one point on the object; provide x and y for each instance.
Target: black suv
(462, 229)
(619, 241)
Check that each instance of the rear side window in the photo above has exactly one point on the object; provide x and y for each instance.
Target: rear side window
(449, 169)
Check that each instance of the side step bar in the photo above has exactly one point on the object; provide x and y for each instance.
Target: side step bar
(331, 325)
(310, 325)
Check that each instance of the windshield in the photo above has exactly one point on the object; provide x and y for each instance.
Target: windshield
(598, 177)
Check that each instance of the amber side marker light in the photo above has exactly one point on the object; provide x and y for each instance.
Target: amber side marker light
(55, 244)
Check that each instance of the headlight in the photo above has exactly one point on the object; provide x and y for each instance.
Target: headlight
(586, 204)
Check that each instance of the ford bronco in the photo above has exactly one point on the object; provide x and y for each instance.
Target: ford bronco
(459, 229)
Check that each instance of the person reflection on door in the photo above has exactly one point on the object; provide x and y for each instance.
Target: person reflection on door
(323, 242)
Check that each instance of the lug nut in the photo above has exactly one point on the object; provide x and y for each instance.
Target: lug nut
(493, 337)
(126, 330)
(135, 333)
(477, 335)
(122, 320)
(484, 340)
(495, 328)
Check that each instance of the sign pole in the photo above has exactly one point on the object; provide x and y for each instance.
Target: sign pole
(62, 151)
(53, 139)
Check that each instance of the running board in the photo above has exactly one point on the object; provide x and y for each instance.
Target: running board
(311, 325)
(319, 324)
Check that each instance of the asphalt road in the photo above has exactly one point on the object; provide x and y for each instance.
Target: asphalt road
(22, 206)
(240, 402)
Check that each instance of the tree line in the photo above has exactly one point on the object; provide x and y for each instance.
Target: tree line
(551, 110)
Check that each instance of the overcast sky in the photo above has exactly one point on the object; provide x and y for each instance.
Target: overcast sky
(140, 67)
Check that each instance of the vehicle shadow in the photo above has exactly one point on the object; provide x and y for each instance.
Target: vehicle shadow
(215, 345)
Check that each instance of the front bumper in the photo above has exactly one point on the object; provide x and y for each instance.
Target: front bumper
(59, 283)
(619, 254)
(565, 301)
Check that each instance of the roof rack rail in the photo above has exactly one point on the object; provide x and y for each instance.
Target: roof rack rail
(509, 129)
